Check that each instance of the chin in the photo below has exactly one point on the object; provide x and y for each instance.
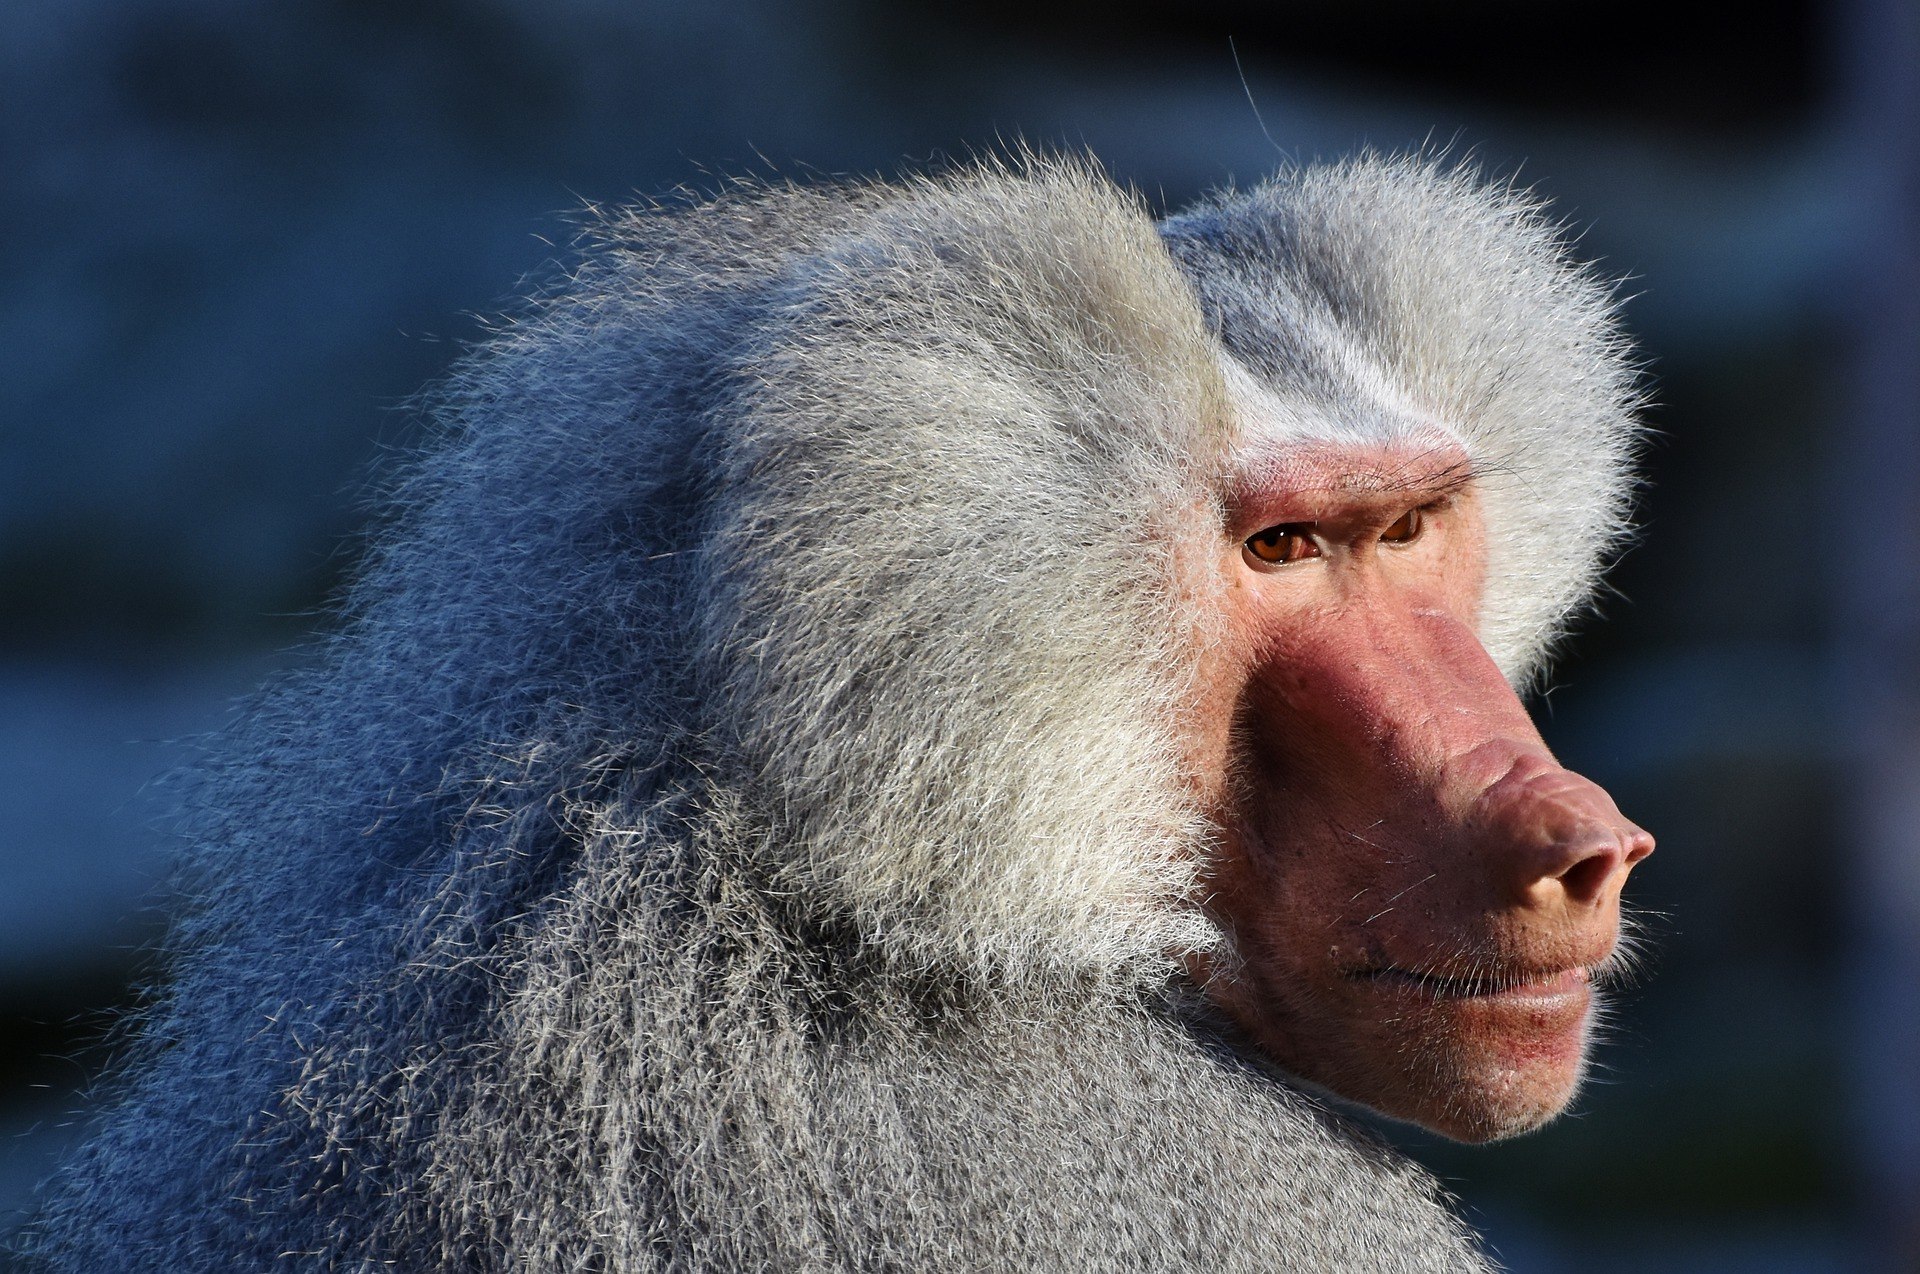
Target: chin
(1495, 1106)
(1486, 1067)
(1473, 1066)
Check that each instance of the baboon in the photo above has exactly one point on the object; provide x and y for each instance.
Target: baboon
(935, 725)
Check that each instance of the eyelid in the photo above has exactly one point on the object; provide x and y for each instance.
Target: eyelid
(1435, 507)
(1313, 517)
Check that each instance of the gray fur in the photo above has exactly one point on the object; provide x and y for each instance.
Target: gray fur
(1378, 297)
(738, 827)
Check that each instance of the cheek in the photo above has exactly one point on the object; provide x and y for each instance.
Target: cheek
(1218, 637)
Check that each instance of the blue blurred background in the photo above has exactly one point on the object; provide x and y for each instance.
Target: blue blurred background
(234, 236)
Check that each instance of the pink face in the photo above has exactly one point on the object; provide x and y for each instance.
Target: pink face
(1419, 894)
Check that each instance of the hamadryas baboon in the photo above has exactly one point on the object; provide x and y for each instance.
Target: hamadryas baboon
(910, 727)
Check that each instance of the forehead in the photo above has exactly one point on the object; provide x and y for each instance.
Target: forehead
(1370, 407)
(1378, 445)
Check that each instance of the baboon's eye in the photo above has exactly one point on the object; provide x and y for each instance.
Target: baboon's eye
(1404, 531)
(1287, 542)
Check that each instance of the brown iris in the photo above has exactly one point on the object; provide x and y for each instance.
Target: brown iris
(1287, 542)
(1405, 530)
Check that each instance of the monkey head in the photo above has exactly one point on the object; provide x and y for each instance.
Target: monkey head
(1204, 563)
(1428, 421)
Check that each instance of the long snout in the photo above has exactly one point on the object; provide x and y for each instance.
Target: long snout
(1414, 699)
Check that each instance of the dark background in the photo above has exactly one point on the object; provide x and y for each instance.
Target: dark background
(234, 236)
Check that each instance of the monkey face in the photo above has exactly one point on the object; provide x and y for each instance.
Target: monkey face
(1421, 899)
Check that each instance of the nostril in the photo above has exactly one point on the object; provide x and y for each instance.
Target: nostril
(1558, 835)
(1608, 854)
(1586, 880)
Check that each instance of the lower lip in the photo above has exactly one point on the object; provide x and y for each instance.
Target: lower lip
(1530, 1024)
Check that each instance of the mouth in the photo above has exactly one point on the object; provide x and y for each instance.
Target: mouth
(1544, 987)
